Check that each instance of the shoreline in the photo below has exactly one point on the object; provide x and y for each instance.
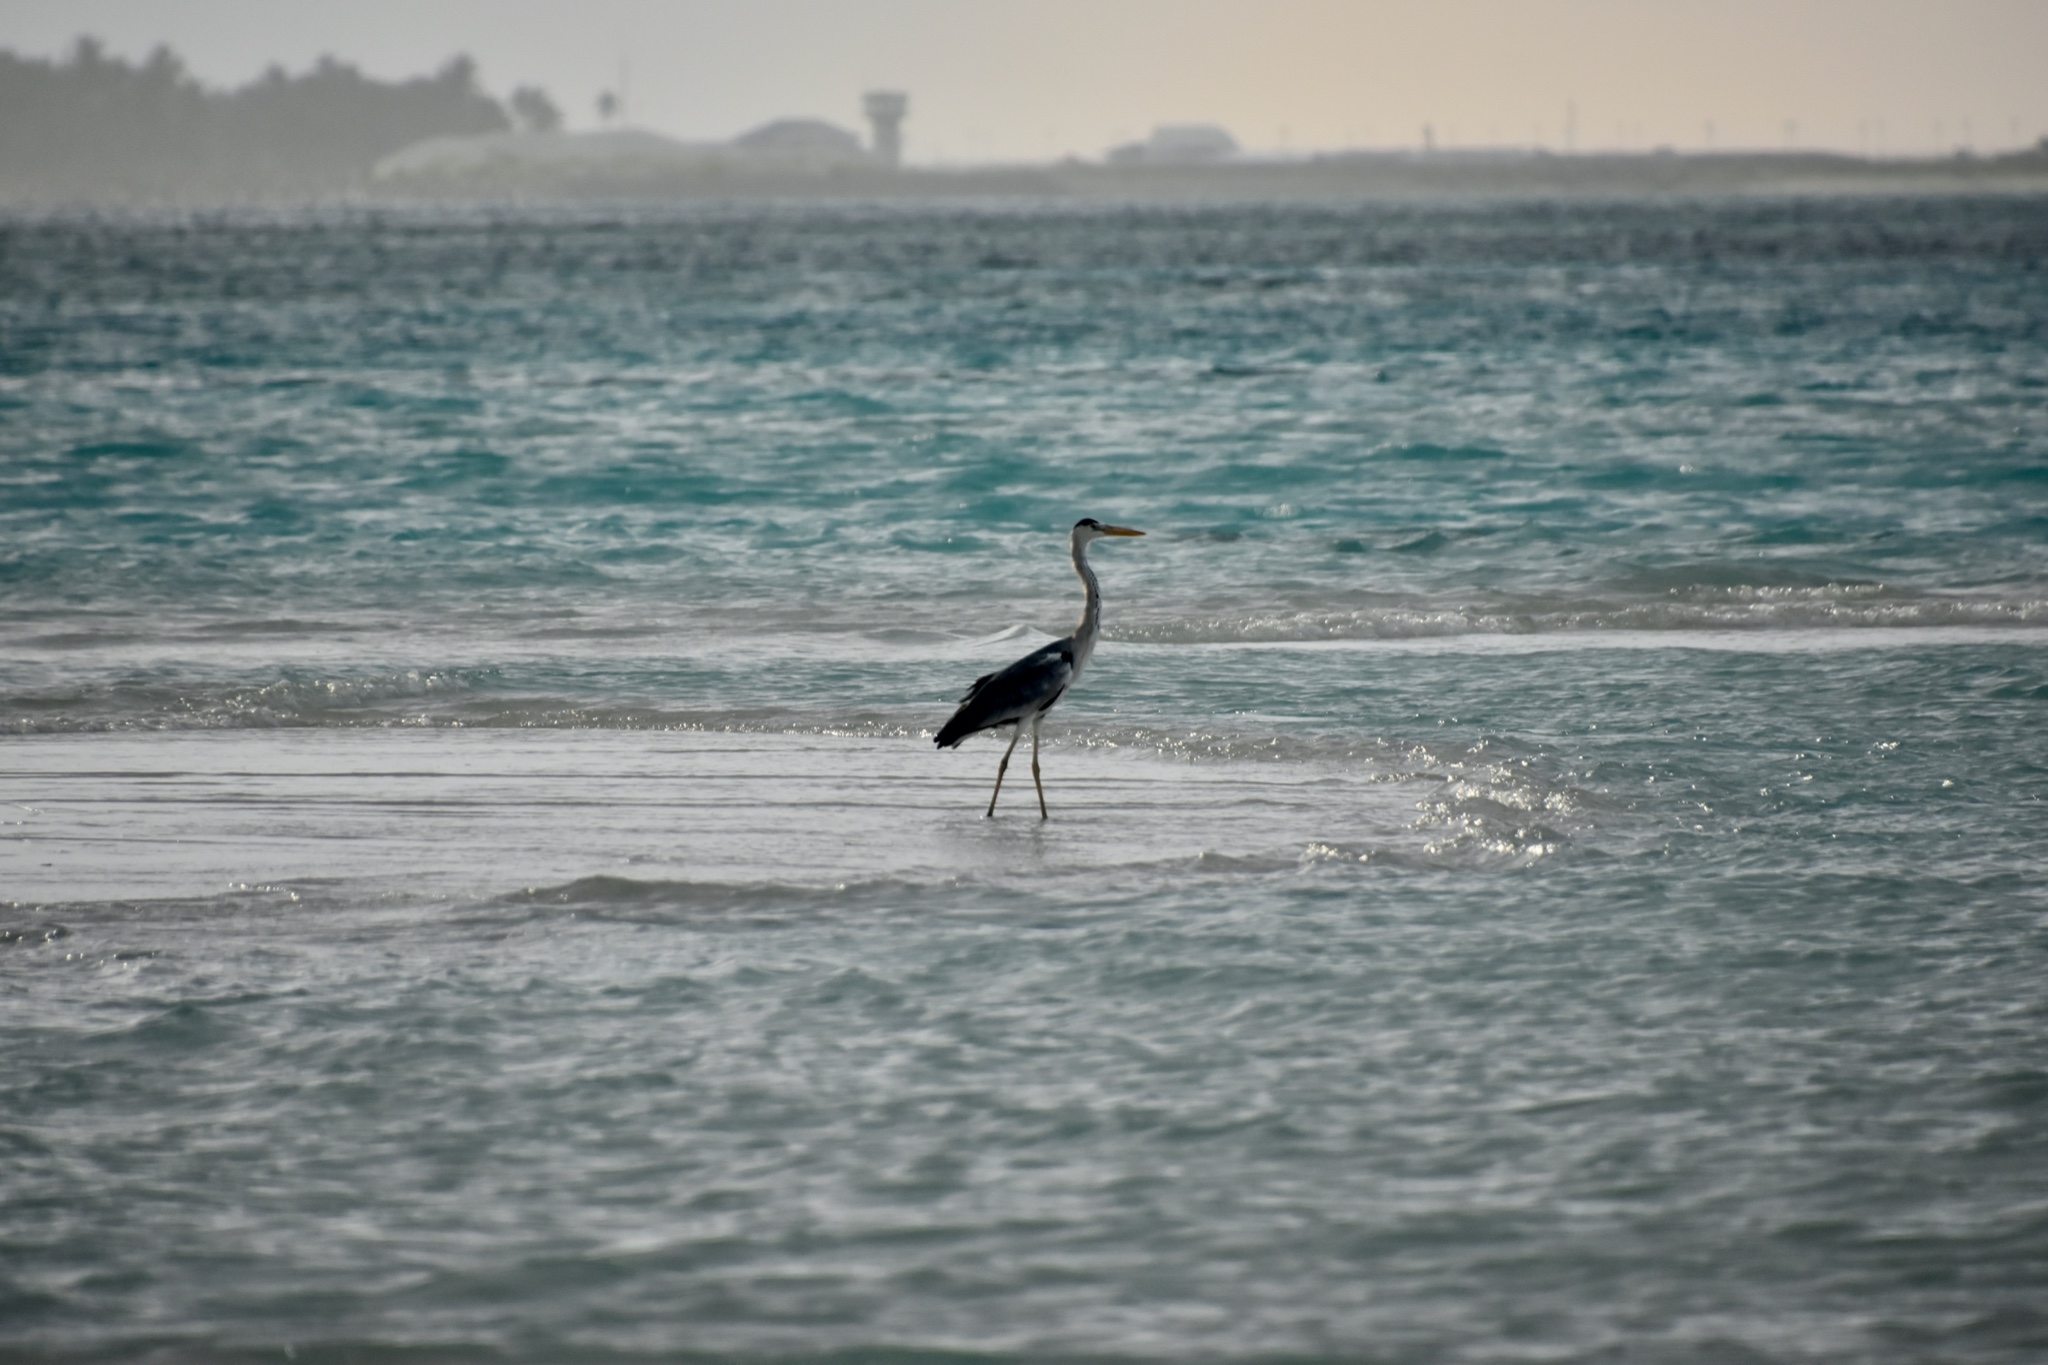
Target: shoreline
(1397, 177)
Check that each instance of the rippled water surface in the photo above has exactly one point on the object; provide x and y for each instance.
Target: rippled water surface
(1546, 864)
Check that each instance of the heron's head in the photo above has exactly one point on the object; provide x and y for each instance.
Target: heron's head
(1089, 529)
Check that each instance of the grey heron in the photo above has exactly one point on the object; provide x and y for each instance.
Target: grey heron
(1027, 689)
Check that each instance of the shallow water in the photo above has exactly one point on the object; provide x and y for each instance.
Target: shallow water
(1545, 864)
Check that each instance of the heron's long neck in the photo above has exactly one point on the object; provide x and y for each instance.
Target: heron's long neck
(1091, 612)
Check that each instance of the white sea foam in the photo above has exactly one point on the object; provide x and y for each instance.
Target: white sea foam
(1778, 641)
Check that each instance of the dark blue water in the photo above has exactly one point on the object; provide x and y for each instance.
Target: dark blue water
(1546, 864)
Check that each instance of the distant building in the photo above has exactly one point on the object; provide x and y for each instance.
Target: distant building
(511, 158)
(801, 142)
(622, 156)
(1177, 144)
(885, 111)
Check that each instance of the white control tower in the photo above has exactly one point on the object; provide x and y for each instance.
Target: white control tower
(885, 110)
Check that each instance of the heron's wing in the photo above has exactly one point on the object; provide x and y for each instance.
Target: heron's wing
(1012, 694)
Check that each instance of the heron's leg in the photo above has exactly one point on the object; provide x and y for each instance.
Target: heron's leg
(1002, 768)
(1034, 766)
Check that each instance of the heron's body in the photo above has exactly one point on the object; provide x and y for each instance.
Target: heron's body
(1022, 693)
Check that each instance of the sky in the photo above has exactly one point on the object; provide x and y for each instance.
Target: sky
(1029, 80)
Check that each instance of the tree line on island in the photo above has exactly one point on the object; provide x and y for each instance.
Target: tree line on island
(95, 127)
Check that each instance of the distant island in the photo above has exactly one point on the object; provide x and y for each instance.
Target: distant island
(92, 130)
(645, 167)
(97, 129)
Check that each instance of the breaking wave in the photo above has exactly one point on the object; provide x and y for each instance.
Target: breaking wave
(1833, 606)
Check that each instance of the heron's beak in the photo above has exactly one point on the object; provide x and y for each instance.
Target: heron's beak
(1120, 531)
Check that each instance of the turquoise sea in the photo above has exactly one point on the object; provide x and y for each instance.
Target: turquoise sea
(1548, 863)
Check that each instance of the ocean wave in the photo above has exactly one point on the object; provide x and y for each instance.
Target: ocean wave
(476, 698)
(412, 696)
(612, 896)
(1739, 608)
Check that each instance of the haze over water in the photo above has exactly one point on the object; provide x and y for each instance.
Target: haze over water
(1546, 862)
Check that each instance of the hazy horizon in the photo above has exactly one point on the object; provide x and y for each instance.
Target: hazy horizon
(1006, 81)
